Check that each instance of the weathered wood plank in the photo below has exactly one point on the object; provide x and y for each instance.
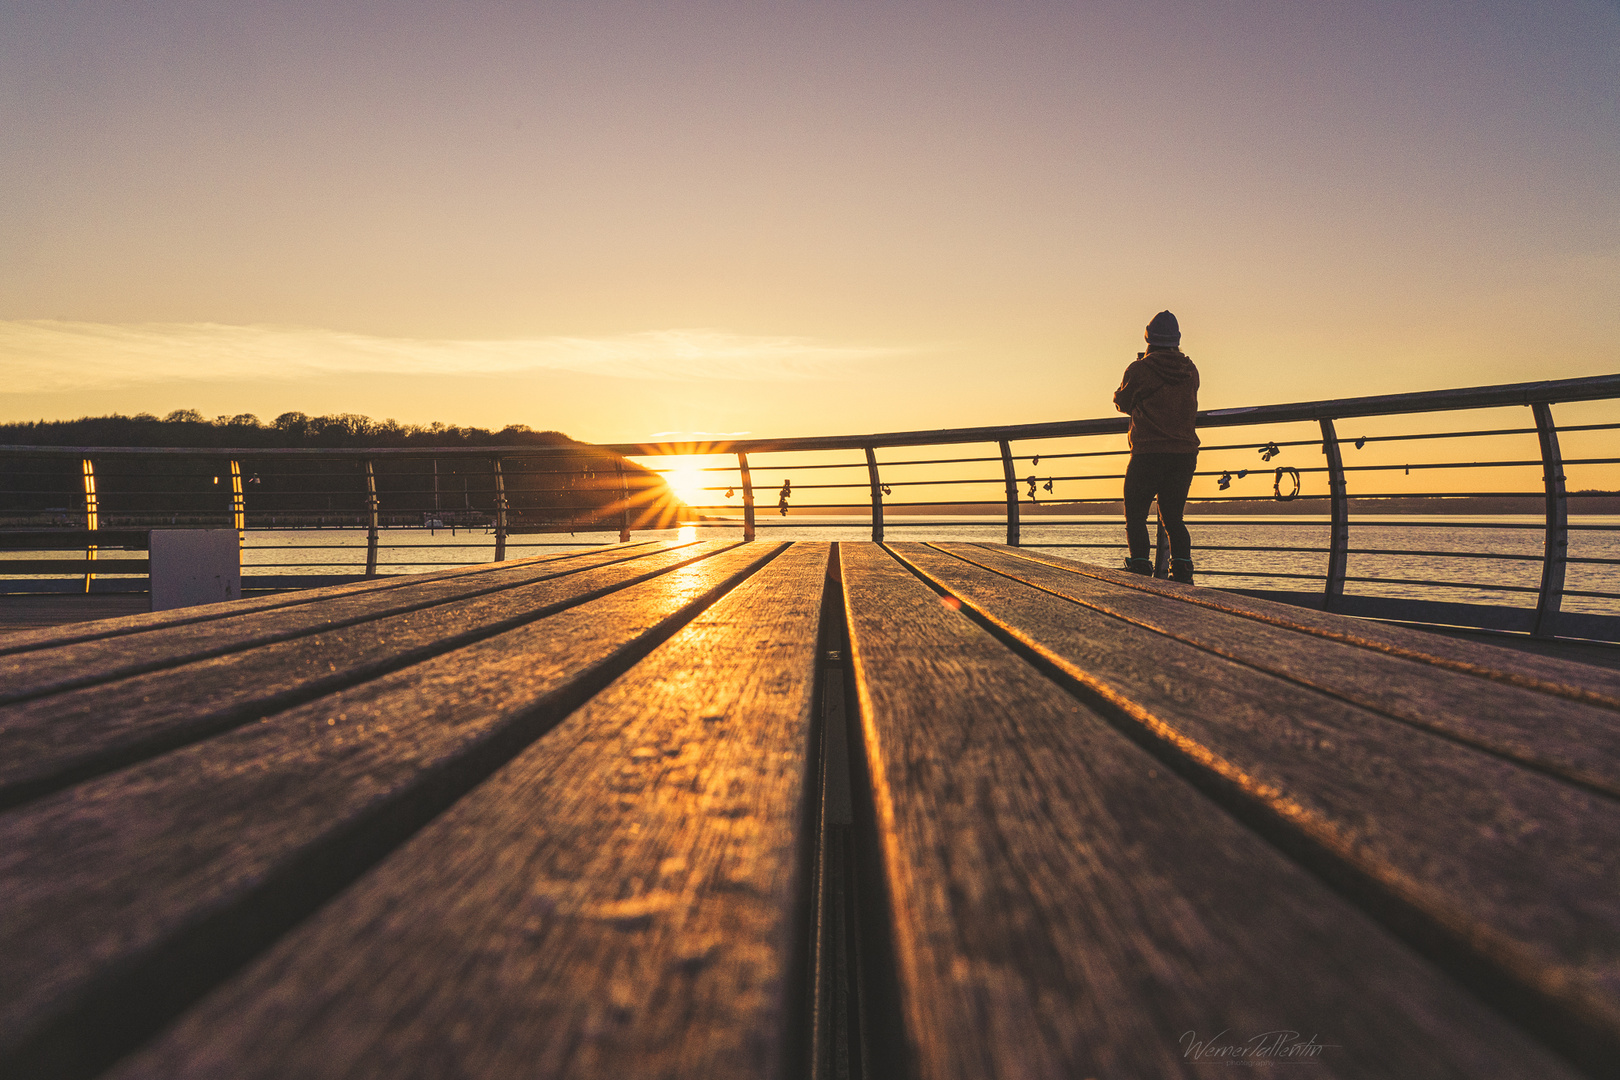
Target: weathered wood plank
(49, 742)
(615, 902)
(125, 897)
(1550, 675)
(32, 674)
(1508, 872)
(53, 636)
(1064, 905)
(1575, 740)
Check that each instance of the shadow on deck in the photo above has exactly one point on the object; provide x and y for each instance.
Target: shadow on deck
(804, 810)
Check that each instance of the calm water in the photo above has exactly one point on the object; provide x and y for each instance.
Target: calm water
(1227, 555)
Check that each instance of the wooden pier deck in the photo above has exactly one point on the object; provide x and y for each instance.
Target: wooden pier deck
(800, 810)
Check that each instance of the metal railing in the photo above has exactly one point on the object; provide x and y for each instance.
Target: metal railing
(509, 495)
(839, 482)
(1290, 483)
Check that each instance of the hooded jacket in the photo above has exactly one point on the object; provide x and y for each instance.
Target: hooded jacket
(1160, 392)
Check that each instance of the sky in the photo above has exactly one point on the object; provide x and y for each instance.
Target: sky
(625, 221)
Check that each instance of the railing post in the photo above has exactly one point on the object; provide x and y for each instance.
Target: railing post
(500, 511)
(1339, 529)
(92, 517)
(371, 523)
(877, 495)
(748, 496)
(624, 504)
(238, 503)
(1556, 548)
(1012, 492)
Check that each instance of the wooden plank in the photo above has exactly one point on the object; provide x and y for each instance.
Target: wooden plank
(1577, 741)
(49, 742)
(1064, 905)
(37, 611)
(52, 637)
(1506, 873)
(51, 671)
(127, 896)
(617, 901)
(1549, 675)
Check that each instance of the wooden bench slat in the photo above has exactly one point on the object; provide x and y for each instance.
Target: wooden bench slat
(124, 896)
(616, 901)
(48, 742)
(1065, 905)
(1578, 741)
(71, 633)
(34, 674)
(1547, 674)
(1513, 867)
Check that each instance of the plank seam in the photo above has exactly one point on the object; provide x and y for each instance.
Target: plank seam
(1552, 1002)
(1597, 785)
(883, 1043)
(150, 990)
(20, 792)
(166, 663)
(1528, 682)
(296, 598)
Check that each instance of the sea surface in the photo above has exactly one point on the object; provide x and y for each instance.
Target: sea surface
(1493, 560)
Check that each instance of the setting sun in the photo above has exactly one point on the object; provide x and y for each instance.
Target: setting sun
(688, 482)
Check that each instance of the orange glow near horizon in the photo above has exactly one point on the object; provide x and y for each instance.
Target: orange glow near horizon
(795, 220)
(687, 482)
(697, 480)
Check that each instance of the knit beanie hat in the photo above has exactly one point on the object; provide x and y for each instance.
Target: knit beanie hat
(1164, 330)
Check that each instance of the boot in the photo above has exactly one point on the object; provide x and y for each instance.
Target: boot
(1140, 566)
(1181, 570)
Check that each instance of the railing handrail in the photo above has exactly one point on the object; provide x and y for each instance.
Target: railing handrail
(1549, 392)
(610, 460)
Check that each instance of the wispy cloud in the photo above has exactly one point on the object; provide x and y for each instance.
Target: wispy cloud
(51, 355)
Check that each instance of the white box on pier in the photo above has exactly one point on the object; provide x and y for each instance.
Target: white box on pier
(195, 566)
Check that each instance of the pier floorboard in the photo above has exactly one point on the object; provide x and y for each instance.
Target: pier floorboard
(585, 815)
(21, 612)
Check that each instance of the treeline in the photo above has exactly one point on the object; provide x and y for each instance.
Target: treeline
(189, 428)
(573, 485)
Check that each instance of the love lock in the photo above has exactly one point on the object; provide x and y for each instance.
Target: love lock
(1269, 451)
(1225, 481)
(1276, 486)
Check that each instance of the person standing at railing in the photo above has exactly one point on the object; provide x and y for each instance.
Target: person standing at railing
(1160, 392)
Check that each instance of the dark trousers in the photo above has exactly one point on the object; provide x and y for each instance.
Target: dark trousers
(1165, 477)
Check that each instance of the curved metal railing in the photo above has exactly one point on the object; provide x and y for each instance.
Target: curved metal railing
(839, 482)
